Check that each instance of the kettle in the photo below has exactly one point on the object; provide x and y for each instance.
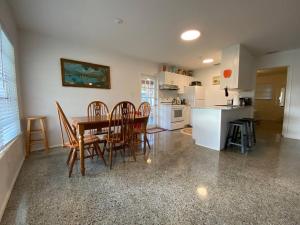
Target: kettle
(236, 100)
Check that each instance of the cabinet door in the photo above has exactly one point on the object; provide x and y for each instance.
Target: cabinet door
(184, 82)
(230, 67)
(180, 83)
(188, 80)
(170, 78)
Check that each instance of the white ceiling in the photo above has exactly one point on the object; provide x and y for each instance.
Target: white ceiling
(152, 28)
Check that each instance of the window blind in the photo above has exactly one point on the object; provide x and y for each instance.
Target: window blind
(9, 109)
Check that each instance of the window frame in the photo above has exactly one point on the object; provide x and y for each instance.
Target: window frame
(19, 133)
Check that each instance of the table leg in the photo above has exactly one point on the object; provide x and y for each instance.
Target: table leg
(145, 137)
(81, 149)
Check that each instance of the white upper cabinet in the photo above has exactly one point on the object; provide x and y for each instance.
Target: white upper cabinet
(237, 68)
(167, 78)
(175, 79)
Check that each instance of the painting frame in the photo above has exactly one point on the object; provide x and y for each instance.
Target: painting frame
(91, 66)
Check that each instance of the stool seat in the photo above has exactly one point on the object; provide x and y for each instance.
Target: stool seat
(35, 117)
(39, 131)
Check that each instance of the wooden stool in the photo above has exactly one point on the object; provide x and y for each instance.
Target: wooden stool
(42, 131)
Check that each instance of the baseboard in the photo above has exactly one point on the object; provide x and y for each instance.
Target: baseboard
(3, 207)
(41, 149)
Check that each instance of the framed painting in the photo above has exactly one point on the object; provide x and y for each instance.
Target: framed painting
(82, 74)
(216, 80)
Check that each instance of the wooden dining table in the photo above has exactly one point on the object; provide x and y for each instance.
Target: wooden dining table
(98, 122)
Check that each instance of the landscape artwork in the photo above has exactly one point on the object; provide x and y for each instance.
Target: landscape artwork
(82, 74)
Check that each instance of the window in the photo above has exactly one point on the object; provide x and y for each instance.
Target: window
(148, 94)
(9, 110)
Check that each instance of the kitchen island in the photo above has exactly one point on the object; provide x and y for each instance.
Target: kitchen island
(210, 124)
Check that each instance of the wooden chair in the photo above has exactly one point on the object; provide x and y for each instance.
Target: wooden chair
(98, 108)
(120, 132)
(141, 129)
(73, 144)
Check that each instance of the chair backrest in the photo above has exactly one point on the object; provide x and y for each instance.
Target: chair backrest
(97, 108)
(144, 109)
(121, 120)
(63, 122)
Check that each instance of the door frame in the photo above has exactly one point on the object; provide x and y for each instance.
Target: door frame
(287, 99)
(155, 110)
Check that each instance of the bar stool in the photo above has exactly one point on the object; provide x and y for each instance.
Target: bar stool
(238, 135)
(251, 123)
(42, 131)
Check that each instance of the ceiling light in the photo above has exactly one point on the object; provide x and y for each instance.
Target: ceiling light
(119, 21)
(206, 61)
(190, 35)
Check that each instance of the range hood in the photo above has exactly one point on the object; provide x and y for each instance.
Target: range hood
(168, 87)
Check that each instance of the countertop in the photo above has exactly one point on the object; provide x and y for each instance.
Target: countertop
(222, 107)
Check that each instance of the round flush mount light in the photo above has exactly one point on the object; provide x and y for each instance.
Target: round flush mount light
(207, 61)
(190, 35)
(119, 21)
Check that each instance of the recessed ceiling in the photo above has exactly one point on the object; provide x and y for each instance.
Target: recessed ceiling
(151, 28)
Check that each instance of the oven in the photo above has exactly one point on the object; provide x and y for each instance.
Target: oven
(177, 113)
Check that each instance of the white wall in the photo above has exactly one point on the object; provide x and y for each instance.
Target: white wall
(291, 125)
(42, 85)
(11, 158)
(214, 95)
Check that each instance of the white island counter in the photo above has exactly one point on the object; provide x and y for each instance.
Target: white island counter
(210, 124)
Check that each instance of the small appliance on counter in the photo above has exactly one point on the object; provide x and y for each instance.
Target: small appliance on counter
(236, 100)
(176, 101)
(195, 83)
(245, 101)
(183, 101)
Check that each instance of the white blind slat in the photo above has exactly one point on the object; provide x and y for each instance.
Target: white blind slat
(9, 109)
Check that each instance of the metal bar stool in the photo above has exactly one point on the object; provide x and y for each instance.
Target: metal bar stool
(42, 131)
(251, 130)
(238, 135)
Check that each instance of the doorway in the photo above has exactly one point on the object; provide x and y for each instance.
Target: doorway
(149, 94)
(270, 99)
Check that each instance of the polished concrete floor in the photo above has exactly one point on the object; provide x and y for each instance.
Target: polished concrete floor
(179, 183)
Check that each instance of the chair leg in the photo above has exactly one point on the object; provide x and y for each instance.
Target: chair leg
(28, 139)
(148, 142)
(100, 153)
(69, 156)
(229, 136)
(73, 159)
(88, 150)
(104, 147)
(243, 134)
(133, 149)
(110, 155)
(123, 155)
